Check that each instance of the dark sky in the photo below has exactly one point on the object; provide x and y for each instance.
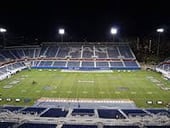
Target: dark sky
(83, 19)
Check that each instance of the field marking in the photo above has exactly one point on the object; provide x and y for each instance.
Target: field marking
(101, 92)
(23, 91)
(46, 99)
(117, 92)
(133, 92)
(159, 83)
(149, 93)
(85, 81)
(53, 91)
(85, 92)
(69, 92)
(7, 86)
(38, 91)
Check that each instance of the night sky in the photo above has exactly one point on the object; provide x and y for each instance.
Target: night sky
(89, 20)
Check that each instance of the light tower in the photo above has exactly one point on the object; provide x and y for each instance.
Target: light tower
(61, 32)
(159, 30)
(113, 31)
(3, 31)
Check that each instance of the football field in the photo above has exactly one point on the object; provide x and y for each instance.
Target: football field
(138, 86)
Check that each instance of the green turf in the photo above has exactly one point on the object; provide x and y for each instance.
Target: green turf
(117, 85)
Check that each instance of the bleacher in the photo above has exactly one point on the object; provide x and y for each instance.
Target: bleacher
(125, 51)
(59, 63)
(9, 69)
(55, 112)
(110, 114)
(119, 126)
(116, 64)
(12, 109)
(159, 112)
(64, 56)
(102, 64)
(38, 117)
(73, 64)
(113, 52)
(164, 68)
(37, 125)
(7, 124)
(75, 52)
(130, 64)
(101, 52)
(78, 126)
(135, 112)
(83, 112)
(32, 110)
(87, 64)
(88, 51)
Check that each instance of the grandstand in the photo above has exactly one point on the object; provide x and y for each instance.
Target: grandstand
(50, 55)
(31, 117)
(164, 68)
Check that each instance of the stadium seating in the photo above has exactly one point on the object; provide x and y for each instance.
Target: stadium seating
(87, 64)
(59, 64)
(134, 112)
(130, 64)
(116, 64)
(13, 109)
(52, 51)
(73, 64)
(113, 52)
(88, 51)
(63, 52)
(159, 111)
(154, 126)
(74, 56)
(75, 52)
(78, 126)
(45, 63)
(117, 126)
(101, 52)
(102, 64)
(110, 114)
(6, 124)
(38, 117)
(33, 110)
(37, 125)
(55, 112)
(83, 112)
(125, 51)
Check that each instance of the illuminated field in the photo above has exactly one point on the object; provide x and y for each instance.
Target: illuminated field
(138, 86)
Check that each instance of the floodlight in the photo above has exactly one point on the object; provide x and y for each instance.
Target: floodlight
(3, 30)
(61, 31)
(113, 31)
(160, 30)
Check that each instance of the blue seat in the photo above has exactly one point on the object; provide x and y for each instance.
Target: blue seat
(55, 112)
(110, 114)
(82, 112)
(37, 125)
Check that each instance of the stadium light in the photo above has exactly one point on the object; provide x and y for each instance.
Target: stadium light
(113, 31)
(159, 30)
(3, 30)
(61, 31)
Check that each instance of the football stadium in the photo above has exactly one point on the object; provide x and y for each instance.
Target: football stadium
(82, 80)
(62, 83)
